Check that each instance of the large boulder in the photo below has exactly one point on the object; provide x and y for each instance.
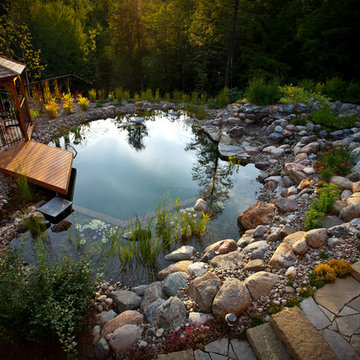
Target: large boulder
(171, 314)
(125, 318)
(153, 292)
(341, 182)
(316, 238)
(353, 199)
(233, 297)
(297, 242)
(123, 338)
(259, 214)
(221, 247)
(203, 290)
(179, 266)
(183, 253)
(151, 310)
(283, 256)
(260, 283)
(286, 204)
(349, 212)
(198, 268)
(230, 261)
(125, 300)
(174, 282)
(256, 250)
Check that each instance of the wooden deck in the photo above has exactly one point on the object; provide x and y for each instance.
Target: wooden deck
(42, 164)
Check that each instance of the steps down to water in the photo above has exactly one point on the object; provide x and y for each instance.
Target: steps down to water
(289, 335)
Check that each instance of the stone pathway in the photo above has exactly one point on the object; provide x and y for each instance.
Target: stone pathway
(335, 313)
(223, 349)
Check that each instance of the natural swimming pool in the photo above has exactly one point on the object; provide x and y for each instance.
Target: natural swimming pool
(125, 168)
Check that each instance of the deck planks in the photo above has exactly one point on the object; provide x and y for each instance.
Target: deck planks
(42, 164)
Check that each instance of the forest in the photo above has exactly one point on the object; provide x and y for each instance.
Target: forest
(184, 45)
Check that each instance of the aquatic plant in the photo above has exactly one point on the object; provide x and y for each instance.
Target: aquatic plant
(25, 188)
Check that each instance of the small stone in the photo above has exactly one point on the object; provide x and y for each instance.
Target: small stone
(123, 338)
(101, 349)
(255, 265)
(291, 273)
(201, 206)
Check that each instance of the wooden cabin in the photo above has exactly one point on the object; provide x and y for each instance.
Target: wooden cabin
(42, 164)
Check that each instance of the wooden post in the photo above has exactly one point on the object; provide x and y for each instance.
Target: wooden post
(18, 107)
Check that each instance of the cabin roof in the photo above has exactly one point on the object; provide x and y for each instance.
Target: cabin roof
(10, 68)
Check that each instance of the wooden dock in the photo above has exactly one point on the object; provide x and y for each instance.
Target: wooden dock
(42, 164)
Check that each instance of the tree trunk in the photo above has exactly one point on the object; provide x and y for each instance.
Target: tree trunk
(229, 61)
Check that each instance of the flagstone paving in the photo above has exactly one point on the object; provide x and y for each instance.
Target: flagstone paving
(334, 311)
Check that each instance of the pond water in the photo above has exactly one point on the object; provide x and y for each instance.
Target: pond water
(126, 169)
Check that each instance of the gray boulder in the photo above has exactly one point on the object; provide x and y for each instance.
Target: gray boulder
(171, 314)
(153, 292)
(183, 253)
(125, 300)
(174, 282)
(230, 261)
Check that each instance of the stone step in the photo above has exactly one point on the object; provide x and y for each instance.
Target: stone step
(266, 344)
(301, 339)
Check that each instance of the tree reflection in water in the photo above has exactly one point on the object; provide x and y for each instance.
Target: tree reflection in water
(213, 177)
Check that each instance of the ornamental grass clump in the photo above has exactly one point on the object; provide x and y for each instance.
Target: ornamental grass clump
(334, 161)
(83, 102)
(297, 94)
(68, 103)
(52, 108)
(263, 92)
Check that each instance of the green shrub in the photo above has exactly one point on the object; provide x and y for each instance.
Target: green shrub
(101, 94)
(298, 121)
(234, 95)
(330, 121)
(46, 301)
(194, 98)
(35, 114)
(177, 96)
(167, 96)
(147, 95)
(334, 161)
(222, 98)
(296, 94)
(157, 95)
(319, 206)
(262, 92)
(338, 89)
(198, 110)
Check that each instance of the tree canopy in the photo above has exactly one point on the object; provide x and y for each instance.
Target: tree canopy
(188, 45)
